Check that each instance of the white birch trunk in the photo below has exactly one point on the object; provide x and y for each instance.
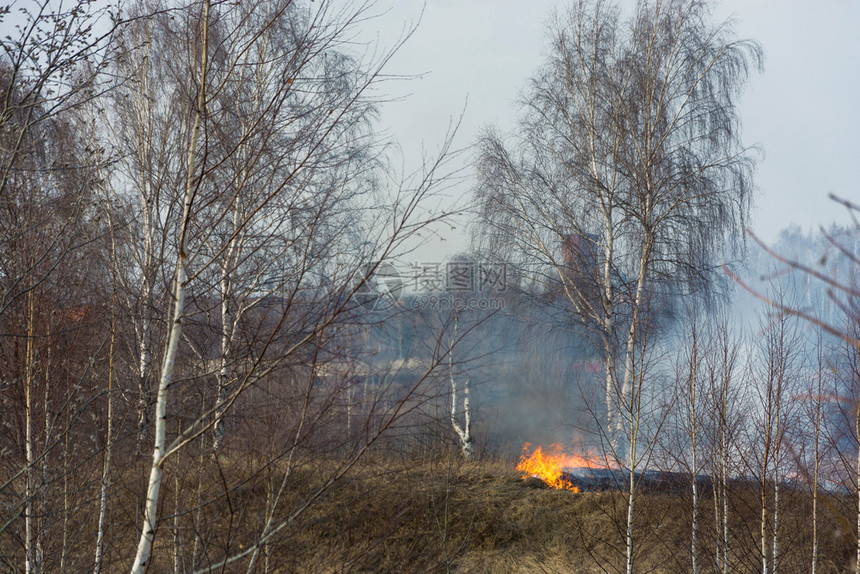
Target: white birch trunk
(149, 265)
(763, 535)
(776, 525)
(196, 522)
(464, 432)
(776, 479)
(145, 360)
(609, 364)
(719, 390)
(150, 521)
(717, 524)
(66, 505)
(608, 326)
(349, 390)
(724, 486)
(30, 566)
(814, 568)
(631, 500)
(100, 535)
(694, 554)
(218, 429)
(43, 481)
(631, 495)
(229, 318)
(630, 347)
(631, 405)
(144, 332)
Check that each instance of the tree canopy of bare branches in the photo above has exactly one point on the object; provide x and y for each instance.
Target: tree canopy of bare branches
(630, 144)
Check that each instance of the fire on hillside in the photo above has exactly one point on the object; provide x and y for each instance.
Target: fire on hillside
(552, 465)
(592, 473)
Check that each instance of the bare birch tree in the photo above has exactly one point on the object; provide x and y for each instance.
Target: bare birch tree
(722, 367)
(246, 142)
(48, 67)
(688, 400)
(814, 412)
(50, 64)
(774, 370)
(47, 228)
(630, 144)
(839, 281)
(463, 429)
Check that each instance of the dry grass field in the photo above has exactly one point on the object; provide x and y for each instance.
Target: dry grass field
(446, 515)
(441, 514)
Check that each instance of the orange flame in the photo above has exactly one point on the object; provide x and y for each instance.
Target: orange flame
(549, 465)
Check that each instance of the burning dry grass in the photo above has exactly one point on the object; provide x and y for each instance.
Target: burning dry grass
(444, 515)
(484, 518)
(549, 465)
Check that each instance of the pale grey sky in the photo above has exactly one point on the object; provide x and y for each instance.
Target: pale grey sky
(804, 110)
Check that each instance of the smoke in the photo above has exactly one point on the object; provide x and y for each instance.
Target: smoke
(536, 372)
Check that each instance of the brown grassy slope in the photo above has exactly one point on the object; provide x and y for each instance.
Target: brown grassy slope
(482, 517)
(392, 514)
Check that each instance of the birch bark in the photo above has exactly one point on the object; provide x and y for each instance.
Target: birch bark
(150, 521)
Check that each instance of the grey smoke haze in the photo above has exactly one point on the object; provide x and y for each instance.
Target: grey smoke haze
(475, 58)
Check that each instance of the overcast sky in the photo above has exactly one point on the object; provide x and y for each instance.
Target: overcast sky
(804, 110)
